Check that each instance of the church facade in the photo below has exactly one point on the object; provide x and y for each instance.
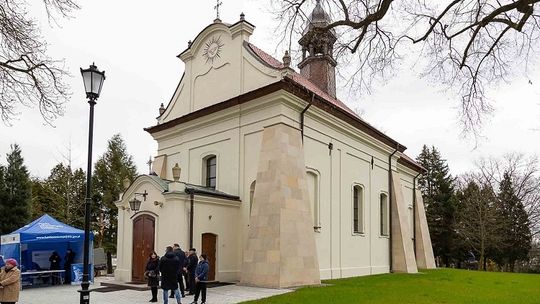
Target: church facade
(267, 172)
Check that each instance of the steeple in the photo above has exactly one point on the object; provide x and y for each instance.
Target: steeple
(318, 64)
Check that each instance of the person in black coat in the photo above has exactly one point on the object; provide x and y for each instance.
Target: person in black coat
(191, 266)
(185, 273)
(68, 261)
(181, 255)
(55, 265)
(152, 274)
(168, 267)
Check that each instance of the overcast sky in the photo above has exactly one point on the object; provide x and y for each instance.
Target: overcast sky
(136, 43)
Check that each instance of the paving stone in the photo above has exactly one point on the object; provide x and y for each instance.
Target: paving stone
(68, 295)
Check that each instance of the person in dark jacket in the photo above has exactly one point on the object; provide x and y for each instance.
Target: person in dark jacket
(68, 261)
(191, 266)
(182, 258)
(2, 263)
(152, 274)
(55, 265)
(201, 276)
(168, 267)
(185, 273)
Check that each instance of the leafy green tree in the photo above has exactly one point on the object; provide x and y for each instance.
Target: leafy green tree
(477, 223)
(15, 205)
(45, 200)
(109, 172)
(78, 195)
(70, 188)
(437, 186)
(515, 229)
(3, 193)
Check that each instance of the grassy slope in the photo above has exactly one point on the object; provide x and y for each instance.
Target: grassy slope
(432, 286)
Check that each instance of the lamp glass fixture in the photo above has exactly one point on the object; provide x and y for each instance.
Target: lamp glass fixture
(135, 204)
(93, 81)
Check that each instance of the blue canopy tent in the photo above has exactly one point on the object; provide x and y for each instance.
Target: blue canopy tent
(33, 244)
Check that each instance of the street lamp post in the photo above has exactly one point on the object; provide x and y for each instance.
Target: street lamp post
(93, 81)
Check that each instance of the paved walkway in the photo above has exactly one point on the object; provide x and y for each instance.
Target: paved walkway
(69, 295)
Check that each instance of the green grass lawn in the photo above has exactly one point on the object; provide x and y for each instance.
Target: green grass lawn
(429, 286)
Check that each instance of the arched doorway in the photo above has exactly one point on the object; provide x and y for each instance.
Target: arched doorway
(209, 245)
(143, 244)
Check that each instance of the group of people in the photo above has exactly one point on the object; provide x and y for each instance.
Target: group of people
(55, 260)
(10, 275)
(175, 267)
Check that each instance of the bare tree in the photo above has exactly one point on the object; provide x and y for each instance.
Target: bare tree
(467, 46)
(477, 222)
(525, 173)
(28, 76)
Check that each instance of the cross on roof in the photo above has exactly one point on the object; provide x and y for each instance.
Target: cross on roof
(149, 163)
(216, 7)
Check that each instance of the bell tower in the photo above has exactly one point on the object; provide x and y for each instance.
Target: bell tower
(318, 64)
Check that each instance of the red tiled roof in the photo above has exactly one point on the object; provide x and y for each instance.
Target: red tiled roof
(301, 80)
(304, 82)
(411, 163)
(267, 58)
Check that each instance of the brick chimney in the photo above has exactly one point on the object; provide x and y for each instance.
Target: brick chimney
(318, 64)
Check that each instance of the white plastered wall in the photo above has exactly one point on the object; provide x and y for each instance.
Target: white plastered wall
(234, 135)
(233, 72)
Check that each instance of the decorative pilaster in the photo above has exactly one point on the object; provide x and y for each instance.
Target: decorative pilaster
(281, 250)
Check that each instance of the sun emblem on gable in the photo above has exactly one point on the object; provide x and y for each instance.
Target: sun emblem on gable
(212, 49)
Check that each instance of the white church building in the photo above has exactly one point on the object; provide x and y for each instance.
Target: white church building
(262, 168)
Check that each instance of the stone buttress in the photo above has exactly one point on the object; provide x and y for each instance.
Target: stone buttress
(424, 251)
(281, 250)
(403, 259)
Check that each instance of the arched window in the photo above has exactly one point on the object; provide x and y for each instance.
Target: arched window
(358, 209)
(383, 208)
(209, 171)
(313, 191)
(251, 195)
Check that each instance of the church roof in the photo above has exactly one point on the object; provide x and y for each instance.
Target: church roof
(297, 84)
(318, 18)
(207, 191)
(304, 82)
(301, 80)
(188, 188)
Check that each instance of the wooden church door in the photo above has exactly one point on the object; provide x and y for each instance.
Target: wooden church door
(143, 245)
(209, 248)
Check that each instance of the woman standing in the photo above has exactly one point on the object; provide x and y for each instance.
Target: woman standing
(152, 274)
(10, 283)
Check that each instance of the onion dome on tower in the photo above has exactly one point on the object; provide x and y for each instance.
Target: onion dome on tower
(318, 64)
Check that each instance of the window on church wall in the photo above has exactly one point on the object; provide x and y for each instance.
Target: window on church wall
(358, 209)
(209, 170)
(383, 209)
(251, 195)
(313, 191)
